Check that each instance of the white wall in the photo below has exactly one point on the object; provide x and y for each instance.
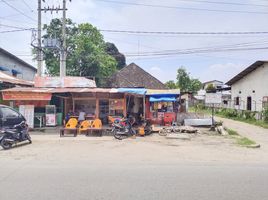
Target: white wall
(27, 72)
(256, 80)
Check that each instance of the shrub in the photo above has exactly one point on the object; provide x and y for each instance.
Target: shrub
(265, 114)
(249, 115)
(231, 113)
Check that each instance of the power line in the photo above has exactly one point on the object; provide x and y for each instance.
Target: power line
(239, 45)
(13, 7)
(225, 3)
(181, 8)
(27, 5)
(198, 51)
(17, 30)
(175, 55)
(184, 33)
(16, 27)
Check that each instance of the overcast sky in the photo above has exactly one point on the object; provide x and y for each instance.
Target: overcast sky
(162, 16)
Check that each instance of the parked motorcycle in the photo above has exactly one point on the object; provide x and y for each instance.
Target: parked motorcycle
(147, 126)
(18, 133)
(122, 129)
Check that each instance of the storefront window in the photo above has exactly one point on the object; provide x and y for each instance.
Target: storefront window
(161, 106)
(87, 106)
(116, 107)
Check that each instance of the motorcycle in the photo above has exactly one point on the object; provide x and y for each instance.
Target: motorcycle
(147, 126)
(18, 133)
(122, 129)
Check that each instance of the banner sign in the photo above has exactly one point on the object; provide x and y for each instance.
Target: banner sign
(26, 96)
(213, 98)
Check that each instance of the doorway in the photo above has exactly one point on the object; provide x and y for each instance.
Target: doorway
(249, 103)
(104, 110)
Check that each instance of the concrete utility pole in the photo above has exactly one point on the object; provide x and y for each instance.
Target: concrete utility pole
(63, 50)
(39, 48)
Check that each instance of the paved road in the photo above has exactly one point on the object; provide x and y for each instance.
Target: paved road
(193, 181)
(54, 168)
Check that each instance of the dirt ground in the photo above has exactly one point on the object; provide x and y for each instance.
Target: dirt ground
(258, 134)
(150, 149)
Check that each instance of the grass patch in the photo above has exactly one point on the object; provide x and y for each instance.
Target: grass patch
(255, 122)
(243, 141)
(248, 121)
(231, 132)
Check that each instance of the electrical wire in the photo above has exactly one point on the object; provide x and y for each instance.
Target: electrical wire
(19, 11)
(198, 51)
(27, 5)
(247, 44)
(16, 27)
(17, 30)
(183, 33)
(225, 3)
(181, 8)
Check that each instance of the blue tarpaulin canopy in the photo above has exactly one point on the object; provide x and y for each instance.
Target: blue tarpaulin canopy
(162, 98)
(14, 71)
(140, 91)
(3, 68)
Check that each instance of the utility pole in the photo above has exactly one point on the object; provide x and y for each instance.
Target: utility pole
(39, 48)
(63, 50)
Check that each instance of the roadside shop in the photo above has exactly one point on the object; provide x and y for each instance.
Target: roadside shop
(53, 101)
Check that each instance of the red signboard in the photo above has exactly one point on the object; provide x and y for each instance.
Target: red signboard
(26, 96)
(35, 103)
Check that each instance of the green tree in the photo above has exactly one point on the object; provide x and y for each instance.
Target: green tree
(210, 88)
(186, 83)
(183, 79)
(86, 51)
(112, 50)
(195, 85)
(171, 85)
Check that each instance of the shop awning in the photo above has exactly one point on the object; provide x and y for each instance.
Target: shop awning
(139, 91)
(162, 99)
(27, 96)
(163, 92)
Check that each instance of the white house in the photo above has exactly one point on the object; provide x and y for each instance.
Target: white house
(222, 89)
(14, 66)
(249, 88)
(216, 84)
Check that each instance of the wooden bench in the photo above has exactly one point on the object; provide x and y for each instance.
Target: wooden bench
(90, 130)
(73, 130)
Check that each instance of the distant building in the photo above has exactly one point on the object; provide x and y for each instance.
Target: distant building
(132, 76)
(14, 66)
(221, 88)
(216, 84)
(249, 87)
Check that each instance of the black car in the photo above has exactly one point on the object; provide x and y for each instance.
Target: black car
(9, 117)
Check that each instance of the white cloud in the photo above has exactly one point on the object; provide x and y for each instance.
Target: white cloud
(221, 72)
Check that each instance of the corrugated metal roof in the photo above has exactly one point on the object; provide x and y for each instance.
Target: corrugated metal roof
(246, 72)
(57, 90)
(65, 82)
(170, 91)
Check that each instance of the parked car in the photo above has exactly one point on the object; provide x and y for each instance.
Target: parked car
(9, 117)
